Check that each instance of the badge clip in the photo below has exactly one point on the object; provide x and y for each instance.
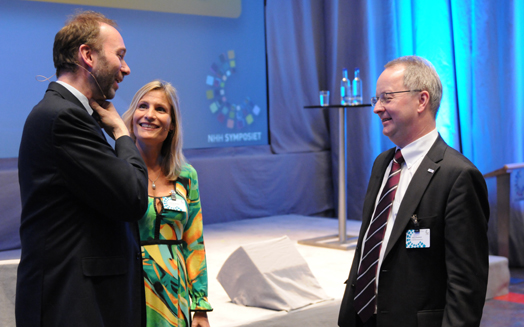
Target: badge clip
(415, 223)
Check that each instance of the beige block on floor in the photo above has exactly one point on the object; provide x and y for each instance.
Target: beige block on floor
(270, 274)
(498, 278)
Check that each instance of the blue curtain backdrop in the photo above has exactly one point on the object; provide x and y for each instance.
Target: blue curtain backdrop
(476, 47)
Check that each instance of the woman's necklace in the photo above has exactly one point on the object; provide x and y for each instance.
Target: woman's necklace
(153, 185)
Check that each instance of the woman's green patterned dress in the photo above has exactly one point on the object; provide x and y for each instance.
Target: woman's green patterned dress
(173, 254)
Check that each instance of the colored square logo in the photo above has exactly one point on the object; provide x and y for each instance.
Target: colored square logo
(213, 107)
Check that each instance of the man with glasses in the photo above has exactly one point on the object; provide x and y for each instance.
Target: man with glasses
(422, 254)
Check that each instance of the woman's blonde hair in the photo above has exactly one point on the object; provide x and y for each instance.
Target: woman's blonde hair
(172, 157)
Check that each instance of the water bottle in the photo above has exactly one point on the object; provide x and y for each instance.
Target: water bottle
(356, 95)
(345, 89)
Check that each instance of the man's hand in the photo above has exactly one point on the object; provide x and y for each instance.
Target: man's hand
(110, 120)
(200, 319)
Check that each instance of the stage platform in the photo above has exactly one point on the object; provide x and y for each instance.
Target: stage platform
(329, 266)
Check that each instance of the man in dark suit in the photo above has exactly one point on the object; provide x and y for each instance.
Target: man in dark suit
(81, 261)
(422, 255)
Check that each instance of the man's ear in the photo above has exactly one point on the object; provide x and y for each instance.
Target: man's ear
(85, 54)
(423, 101)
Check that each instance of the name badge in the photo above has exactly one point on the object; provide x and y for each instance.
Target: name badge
(417, 240)
(177, 204)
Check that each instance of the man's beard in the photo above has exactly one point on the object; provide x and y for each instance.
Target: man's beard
(105, 79)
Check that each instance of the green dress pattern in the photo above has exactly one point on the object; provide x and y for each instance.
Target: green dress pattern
(173, 254)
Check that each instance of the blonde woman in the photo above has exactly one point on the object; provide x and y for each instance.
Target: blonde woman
(173, 254)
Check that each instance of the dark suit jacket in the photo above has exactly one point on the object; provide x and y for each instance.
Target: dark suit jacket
(445, 284)
(81, 261)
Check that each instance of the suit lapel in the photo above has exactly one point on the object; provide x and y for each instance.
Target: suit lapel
(420, 181)
(60, 89)
(56, 87)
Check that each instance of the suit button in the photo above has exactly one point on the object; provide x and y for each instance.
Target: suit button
(138, 256)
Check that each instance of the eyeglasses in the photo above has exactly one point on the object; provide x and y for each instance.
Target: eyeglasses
(385, 97)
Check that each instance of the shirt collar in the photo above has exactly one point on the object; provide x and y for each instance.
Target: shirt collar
(416, 150)
(82, 98)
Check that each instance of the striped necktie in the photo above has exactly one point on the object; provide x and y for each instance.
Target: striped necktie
(365, 288)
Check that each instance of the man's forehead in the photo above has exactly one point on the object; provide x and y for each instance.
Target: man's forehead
(106, 27)
(107, 30)
(390, 77)
(111, 34)
(396, 71)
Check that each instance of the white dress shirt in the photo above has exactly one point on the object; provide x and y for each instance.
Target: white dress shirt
(82, 98)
